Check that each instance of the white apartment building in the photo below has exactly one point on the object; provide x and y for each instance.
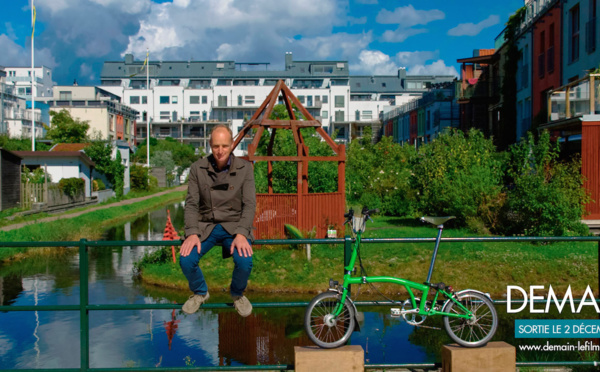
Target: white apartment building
(20, 78)
(185, 99)
(15, 116)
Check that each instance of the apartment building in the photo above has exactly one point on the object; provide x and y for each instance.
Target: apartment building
(15, 112)
(185, 98)
(20, 78)
(103, 110)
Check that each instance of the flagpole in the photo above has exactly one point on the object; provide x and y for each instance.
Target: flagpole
(148, 111)
(32, 79)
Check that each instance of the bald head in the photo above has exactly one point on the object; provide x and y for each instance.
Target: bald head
(221, 144)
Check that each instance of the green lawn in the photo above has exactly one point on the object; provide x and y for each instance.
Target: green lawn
(486, 266)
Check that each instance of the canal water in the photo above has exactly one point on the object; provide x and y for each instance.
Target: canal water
(169, 338)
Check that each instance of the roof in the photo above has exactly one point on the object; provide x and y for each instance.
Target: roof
(479, 59)
(10, 152)
(56, 154)
(69, 146)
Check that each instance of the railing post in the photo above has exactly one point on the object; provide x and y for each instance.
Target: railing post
(347, 255)
(84, 323)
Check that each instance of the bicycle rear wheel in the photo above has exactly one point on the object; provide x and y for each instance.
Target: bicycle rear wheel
(322, 327)
(473, 332)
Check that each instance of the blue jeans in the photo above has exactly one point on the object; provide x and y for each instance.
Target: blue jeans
(242, 265)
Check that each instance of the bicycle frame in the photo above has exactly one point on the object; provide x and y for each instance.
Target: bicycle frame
(409, 285)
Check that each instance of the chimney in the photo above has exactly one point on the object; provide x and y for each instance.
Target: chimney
(128, 58)
(402, 73)
(289, 60)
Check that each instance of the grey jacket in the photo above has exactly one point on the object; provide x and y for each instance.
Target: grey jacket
(231, 203)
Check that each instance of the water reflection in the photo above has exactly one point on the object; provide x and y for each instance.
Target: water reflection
(169, 338)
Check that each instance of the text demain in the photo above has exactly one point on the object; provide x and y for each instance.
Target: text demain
(541, 304)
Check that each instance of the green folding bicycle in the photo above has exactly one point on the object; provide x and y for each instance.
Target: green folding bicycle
(469, 316)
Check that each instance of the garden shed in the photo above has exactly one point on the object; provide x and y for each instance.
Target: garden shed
(307, 211)
(10, 179)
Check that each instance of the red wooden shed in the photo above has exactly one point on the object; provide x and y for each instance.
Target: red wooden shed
(303, 209)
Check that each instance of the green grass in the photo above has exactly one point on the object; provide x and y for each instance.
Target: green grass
(89, 225)
(33, 217)
(486, 266)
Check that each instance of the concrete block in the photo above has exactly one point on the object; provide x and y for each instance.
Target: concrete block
(343, 359)
(494, 357)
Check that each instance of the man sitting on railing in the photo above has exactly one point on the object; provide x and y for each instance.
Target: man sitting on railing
(219, 209)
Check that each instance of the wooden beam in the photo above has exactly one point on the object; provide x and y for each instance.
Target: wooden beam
(297, 158)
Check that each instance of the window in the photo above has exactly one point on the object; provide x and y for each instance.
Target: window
(339, 101)
(164, 100)
(590, 28)
(134, 100)
(222, 102)
(194, 100)
(301, 99)
(339, 115)
(309, 100)
(249, 100)
(64, 95)
(204, 115)
(144, 100)
(322, 69)
(164, 115)
(541, 56)
(204, 99)
(239, 114)
(325, 99)
(194, 115)
(574, 33)
(550, 52)
(325, 114)
(174, 99)
(239, 103)
(357, 115)
(367, 115)
(174, 115)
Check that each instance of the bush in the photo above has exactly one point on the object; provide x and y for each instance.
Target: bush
(98, 185)
(71, 186)
(544, 196)
(459, 175)
(378, 176)
(138, 176)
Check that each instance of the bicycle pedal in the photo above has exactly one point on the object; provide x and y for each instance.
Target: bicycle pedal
(395, 312)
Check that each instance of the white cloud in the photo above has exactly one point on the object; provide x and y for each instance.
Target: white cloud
(416, 57)
(401, 34)
(357, 21)
(87, 71)
(16, 55)
(375, 62)
(436, 68)
(472, 29)
(408, 16)
(341, 44)
(10, 31)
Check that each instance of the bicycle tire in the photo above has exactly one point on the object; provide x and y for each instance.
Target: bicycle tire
(472, 333)
(319, 313)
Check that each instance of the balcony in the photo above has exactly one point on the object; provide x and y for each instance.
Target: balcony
(466, 91)
(575, 99)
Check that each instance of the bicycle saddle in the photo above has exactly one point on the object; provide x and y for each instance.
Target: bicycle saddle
(437, 220)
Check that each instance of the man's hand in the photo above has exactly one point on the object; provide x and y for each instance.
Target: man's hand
(188, 244)
(241, 243)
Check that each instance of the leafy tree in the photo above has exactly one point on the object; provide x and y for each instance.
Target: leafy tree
(545, 196)
(460, 175)
(184, 155)
(378, 176)
(139, 177)
(114, 170)
(36, 176)
(164, 159)
(21, 144)
(66, 129)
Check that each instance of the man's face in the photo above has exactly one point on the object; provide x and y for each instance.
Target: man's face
(220, 144)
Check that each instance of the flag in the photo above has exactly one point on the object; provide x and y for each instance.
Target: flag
(33, 22)
(143, 66)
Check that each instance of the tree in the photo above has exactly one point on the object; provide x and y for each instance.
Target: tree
(182, 154)
(101, 153)
(21, 144)
(66, 129)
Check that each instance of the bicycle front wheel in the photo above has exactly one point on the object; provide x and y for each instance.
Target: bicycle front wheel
(325, 329)
(473, 332)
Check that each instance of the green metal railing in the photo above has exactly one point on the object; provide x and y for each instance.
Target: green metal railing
(84, 307)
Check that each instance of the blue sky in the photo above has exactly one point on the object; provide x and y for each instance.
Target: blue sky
(74, 37)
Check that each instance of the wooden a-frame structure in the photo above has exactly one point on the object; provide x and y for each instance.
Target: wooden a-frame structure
(306, 210)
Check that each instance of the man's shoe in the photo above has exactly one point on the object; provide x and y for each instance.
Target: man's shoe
(193, 303)
(242, 305)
